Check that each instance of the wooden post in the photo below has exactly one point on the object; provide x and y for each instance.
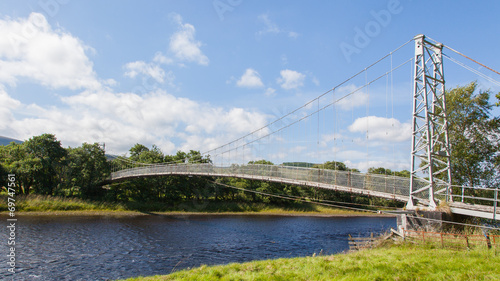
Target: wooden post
(488, 242)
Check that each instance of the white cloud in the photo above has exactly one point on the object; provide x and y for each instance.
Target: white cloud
(293, 34)
(183, 44)
(272, 28)
(380, 128)
(315, 81)
(8, 104)
(30, 48)
(123, 119)
(148, 69)
(350, 96)
(284, 59)
(298, 149)
(279, 156)
(270, 92)
(250, 79)
(162, 59)
(291, 79)
(269, 26)
(328, 138)
(97, 113)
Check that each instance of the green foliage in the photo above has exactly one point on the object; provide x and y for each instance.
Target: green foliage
(50, 155)
(474, 136)
(142, 154)
(45, 203)
(15, 160)
(37, 163)
(332, 165)
(87, 168)
(388, 172)
(261, 162)
(43, 167)
(402, 262)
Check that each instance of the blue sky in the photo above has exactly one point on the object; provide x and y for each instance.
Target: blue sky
(197, 74)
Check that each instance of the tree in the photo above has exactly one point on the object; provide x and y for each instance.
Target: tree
(46, 157)
(142, 154)
(388, 172)
(379, 171)
(474, 136)
(137, 150)
(261, 162)
(38, 164)
(16, 160)
(88, 167)
(179, 158)
(195, 157)
(334, 165)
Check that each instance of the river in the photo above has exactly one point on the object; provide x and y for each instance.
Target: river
(108, 248)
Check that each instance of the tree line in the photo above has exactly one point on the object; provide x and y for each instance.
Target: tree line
(43, 166)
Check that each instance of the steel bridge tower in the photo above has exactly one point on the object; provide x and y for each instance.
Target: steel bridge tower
(430, 154)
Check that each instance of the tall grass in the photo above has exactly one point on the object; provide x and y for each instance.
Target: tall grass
(400, 262)
(42, 203)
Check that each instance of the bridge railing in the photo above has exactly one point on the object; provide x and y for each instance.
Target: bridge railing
(321, 178)
(476, 195)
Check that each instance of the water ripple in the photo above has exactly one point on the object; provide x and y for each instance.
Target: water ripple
(104, 248)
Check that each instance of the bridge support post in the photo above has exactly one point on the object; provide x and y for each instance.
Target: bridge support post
(429, 221)
(430, 143)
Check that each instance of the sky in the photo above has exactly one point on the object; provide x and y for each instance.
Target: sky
(185, 75)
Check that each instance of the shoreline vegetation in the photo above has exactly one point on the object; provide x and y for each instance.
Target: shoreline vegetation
(46, 177)
(390, 261)
(59, 206)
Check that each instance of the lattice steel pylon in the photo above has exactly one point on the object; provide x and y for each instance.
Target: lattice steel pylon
(430, 155)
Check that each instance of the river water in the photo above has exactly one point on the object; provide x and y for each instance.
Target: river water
(108, 248)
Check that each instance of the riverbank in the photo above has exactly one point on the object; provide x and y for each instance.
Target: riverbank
(59, 206)
(180, 213)
(390, 262)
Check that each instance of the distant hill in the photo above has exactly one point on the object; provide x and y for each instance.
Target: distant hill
(6, 141)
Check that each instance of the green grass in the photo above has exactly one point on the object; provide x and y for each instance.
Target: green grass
(398, 262)
(41, 203)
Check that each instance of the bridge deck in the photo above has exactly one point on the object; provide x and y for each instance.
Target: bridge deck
(480, 211)
(388, 187)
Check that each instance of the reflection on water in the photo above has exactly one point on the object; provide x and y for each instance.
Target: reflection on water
(103, 248)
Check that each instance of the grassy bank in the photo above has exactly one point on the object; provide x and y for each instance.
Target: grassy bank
(52, 204)
(401, 262)
(41, 203)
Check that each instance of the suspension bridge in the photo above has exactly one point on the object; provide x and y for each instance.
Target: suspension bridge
(330, 125)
